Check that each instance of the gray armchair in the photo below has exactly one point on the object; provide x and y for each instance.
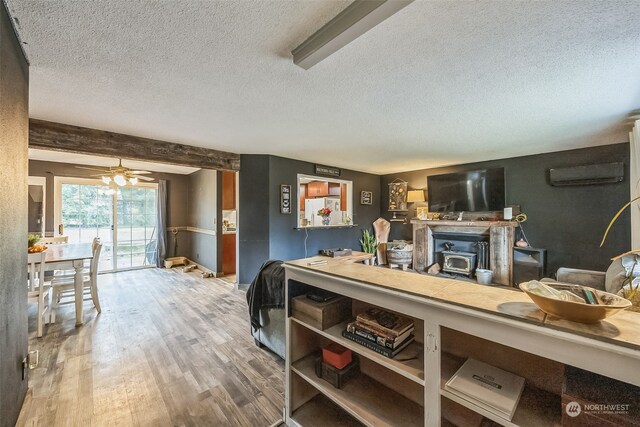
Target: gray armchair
(611, 281)
(590, 278)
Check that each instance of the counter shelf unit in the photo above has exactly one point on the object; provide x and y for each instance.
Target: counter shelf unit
(540, 404)
(413, 369)
(386, 392)
(457, 320)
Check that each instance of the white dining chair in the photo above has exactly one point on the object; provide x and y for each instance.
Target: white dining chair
(39, 291)
(64, 286)
(59, 240)
(65, 274)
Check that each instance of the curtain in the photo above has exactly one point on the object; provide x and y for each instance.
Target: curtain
(161, 218)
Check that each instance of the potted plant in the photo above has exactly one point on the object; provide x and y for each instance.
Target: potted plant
(324, 213)
(33, 239)
(369, 244)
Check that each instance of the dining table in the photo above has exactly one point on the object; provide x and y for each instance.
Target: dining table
(70, 256)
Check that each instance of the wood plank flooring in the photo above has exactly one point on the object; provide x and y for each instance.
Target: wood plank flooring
(168, 349)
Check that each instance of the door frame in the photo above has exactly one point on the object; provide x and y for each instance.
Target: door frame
(41, 181)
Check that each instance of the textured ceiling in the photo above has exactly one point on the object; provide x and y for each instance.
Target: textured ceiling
(83, 159)
(440, 82)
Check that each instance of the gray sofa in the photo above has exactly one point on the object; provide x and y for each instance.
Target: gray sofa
(272, 332)
(590, 278)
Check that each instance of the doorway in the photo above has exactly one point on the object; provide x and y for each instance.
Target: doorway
(124, 218)
(229, 199)
(37, 204)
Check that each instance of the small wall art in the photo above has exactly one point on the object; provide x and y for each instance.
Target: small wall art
(366, 197)
(285, 199)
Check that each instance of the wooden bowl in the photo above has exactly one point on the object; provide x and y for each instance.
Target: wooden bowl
(577, 311)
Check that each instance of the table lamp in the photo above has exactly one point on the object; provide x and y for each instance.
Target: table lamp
(414, 196)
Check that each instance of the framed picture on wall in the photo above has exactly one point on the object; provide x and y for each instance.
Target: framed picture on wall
(285, 199)
(398, 195)
(366, 197)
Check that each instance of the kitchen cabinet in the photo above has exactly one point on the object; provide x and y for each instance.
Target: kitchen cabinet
(229, 253)
(317, 189)
(228, 190)
(334, 189)
(303, 195)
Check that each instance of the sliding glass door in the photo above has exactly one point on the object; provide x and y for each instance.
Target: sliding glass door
(136, 230)
(123, 218)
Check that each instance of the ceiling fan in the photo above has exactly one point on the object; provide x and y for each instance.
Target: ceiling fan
(119, 175)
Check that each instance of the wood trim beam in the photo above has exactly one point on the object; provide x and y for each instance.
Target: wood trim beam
(60, 137)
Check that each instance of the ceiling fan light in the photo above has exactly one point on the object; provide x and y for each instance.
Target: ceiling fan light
(120, 180)
(133, 180)
(106, 180)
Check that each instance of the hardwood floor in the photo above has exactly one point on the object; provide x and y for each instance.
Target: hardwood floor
(169, 348)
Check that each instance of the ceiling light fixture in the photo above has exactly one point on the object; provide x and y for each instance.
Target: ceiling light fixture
(358, 18)
(118, 175)
(120, 180)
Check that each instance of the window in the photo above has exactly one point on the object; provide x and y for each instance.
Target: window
(333, 196)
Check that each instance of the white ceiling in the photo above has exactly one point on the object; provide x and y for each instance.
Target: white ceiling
(440, 82)
(83, 159)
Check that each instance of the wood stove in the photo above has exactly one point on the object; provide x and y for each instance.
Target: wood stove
(499, 234)
(459, 262)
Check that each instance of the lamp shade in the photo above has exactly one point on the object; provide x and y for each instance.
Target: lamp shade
(415, 196)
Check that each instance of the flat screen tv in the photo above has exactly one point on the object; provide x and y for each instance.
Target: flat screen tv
(473, 191)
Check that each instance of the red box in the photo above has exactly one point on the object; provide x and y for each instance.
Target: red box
(336, 355)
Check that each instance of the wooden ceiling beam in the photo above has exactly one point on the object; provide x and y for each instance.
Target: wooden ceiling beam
(60, 137)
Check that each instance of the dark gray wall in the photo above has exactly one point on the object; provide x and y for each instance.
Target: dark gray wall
(567, 221)
(253, 215)
(177, 198)
(265, 233)
(14, 134)
(202, 214)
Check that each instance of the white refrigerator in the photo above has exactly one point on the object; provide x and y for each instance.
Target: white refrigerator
(311, 207)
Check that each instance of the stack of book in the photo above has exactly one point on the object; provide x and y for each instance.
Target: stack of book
(381, 331)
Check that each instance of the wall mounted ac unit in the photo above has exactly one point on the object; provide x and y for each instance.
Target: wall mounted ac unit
(603, 173)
